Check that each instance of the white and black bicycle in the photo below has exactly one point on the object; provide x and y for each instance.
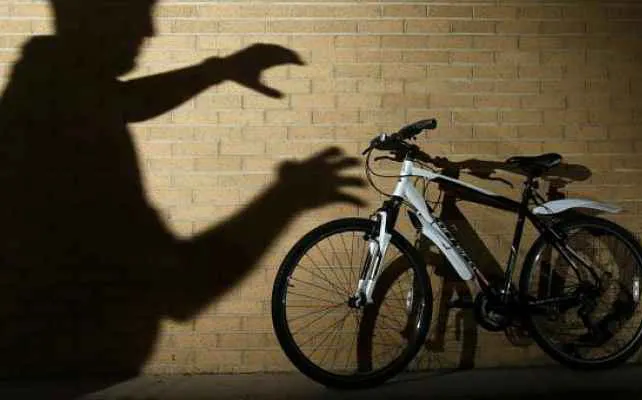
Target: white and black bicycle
(352, 300)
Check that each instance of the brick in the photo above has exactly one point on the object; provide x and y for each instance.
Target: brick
(194, 26)
(521, 117)
(404, 10)
(517, 57)
(589, 100)
(541, 132)
(15, 26)
(495, 71)
(425, 56)
(445, 100)
(223, 163)
(194, 149)
(611, 146)
(243, 26)
(497, 101)
(565, 86)
(403, 71)
(357, 71)
(468, 57)
(313, 101)
(311, 71)
(614, 116)
(359, 101)
(381, 26)
(256, 101)
(544, 101)
(380, 86)
(335, 86)
(444, 71)
(495, 12)
(540, 72)
(541, 43)
(494, 132)
(619, 132)
(241, 117)
(391, 118)
(517, 27)
(475, 148)
(450, 11)
(585, 132)
(449, 42)
(335, 26)
(174, 42)
(379, 56)
(495, 42)
(540, 12)
(173, 11)
(176, 164)
(335, 117)
(263, 133)
(475, 116)
(472, 27)
(349, 41)
(238, 147)
(404, 100)
(427, 26)
(565, 116)
(26, 10)
(405, 42)
(290, 26)
(556, 28)
(287, 116)
(311, 133)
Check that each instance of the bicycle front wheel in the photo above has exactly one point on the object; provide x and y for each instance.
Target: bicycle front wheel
(599, 323)
(321, 330)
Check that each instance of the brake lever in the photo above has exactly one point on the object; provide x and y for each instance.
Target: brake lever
(386, 158)
(380, 139)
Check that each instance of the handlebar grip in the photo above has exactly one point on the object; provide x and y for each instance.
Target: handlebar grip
(414, 129)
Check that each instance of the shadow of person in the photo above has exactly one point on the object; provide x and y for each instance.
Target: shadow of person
(88, 267)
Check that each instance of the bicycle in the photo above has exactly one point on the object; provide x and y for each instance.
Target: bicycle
(559, 282)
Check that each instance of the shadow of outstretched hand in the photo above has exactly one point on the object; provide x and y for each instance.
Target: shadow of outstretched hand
(316, 181)
(245, 66)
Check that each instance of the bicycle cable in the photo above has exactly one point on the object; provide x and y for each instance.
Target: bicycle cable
(370, 172)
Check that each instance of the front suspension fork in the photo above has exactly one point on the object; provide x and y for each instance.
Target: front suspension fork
(371, 269)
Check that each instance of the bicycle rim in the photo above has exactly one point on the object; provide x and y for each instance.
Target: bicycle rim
(327, 339)
(615, 314)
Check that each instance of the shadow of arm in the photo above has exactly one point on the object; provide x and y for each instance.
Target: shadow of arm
(148, 97)
(215, 261)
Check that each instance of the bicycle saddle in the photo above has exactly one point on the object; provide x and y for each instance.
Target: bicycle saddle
(536, 165)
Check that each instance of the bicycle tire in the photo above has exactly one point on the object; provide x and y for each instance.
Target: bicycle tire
(354, 379)
(592, 225)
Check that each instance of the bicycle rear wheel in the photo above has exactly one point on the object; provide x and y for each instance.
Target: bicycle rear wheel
(323, 333)
(603, 328)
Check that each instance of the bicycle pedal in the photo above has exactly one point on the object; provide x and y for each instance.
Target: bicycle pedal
(460, 303)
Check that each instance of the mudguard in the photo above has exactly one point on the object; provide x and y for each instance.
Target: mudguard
(558, 206)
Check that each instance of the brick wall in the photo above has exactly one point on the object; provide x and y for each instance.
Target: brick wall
(502, 77)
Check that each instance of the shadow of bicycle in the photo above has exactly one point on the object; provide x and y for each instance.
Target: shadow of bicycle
(453, 336)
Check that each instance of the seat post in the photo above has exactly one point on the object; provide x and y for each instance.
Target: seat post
(528, 185)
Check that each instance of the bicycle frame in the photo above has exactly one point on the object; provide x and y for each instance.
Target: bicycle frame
(430, 226)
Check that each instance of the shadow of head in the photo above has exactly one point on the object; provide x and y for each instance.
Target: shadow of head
(107, 33)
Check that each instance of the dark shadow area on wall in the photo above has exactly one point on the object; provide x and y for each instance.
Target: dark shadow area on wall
(88, 267)
(452, 294)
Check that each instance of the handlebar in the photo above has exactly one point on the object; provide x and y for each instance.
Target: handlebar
(396, 142)
(412, 130)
